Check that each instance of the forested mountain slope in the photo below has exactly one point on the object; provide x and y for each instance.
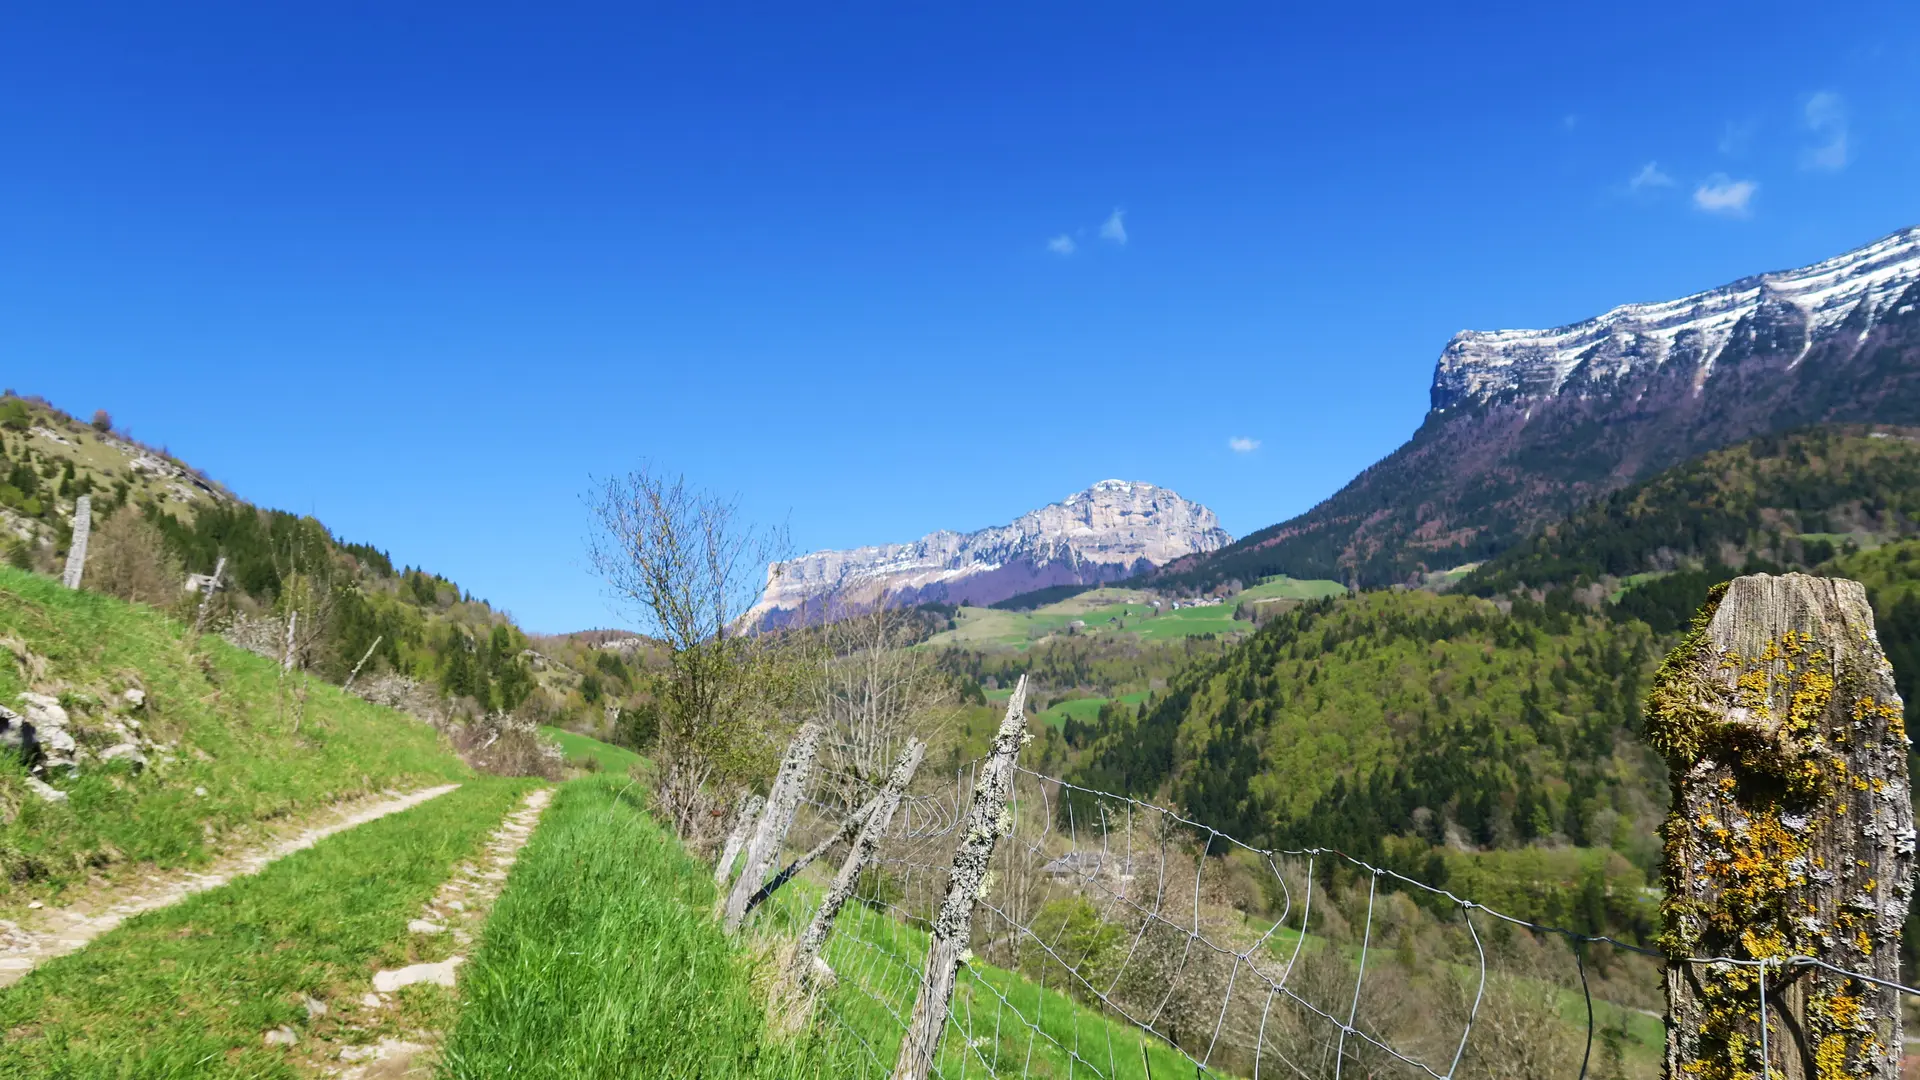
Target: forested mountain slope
(1348, 722)
(1795, 499)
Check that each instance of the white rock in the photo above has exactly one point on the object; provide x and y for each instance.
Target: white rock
(135, 697)
(44, 709)
(371, 1001)
(315, 1007)
(201, 792)
(45, 790)
(281, 1036)
(423, 926)
(440, 974)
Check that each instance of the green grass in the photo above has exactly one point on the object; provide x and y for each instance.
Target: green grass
(222, 708)
(613, 759)
(601, 960)
(189, 990)
(1130, 614)
(1085, 710)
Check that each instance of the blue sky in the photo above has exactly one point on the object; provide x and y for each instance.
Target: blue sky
(423, 269)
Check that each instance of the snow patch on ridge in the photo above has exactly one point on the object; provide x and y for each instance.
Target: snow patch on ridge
(1479, 366)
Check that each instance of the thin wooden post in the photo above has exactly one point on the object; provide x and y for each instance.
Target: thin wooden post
(783, 799)
(77, 550)
(745, 813)
(1791, 834)
(206, 600)
(987, 820)
(355, 673)
(800, 968)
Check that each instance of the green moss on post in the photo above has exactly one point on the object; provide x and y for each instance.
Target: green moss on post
(1791, 833)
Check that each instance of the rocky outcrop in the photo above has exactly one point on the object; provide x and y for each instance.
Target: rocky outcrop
(1113, 530)
(1527, 425)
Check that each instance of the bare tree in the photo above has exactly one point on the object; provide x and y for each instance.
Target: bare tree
(688, 566)
(873, 692)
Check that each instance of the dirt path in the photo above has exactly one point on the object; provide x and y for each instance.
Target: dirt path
(46, 933)
(446, 927)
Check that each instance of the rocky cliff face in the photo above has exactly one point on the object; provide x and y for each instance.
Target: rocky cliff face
(1527, 425)
(1113, 530)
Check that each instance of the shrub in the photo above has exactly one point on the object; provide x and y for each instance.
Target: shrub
(102, 421)
(507, 745)
(14, 415)
(128, 558)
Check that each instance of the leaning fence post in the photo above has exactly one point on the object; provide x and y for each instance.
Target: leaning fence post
(745, 813)
(77, 550)
(783, 799)
(368, 655)
(1791, 836)
(206, 601)
(987, 820)
(800, 968)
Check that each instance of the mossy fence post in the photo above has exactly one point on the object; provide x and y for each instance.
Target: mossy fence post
(77, 549)
(987, 820)
(1790, 844)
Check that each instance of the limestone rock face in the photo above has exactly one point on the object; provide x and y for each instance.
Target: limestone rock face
(1112, 530)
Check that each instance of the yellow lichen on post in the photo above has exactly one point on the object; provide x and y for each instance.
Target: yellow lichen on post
(1791, 833)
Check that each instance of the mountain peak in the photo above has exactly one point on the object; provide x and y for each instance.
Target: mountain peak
(1810, 304)
(1112, 530)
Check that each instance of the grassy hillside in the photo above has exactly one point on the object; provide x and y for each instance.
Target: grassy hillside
(1145, 616)
(157, 520)
(236, 760)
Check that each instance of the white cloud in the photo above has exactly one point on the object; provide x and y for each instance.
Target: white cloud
(1649, 176)
(1721, 194)
(1115, 227)
(1825, 116)
(1240, 444)
(1061, 245)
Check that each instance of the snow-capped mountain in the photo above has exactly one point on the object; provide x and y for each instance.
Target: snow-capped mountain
(1527, 425)
(1112, 530)
(1790, 310)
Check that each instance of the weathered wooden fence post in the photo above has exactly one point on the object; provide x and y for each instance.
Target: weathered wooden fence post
(77, 550)
(783, 798)
(800, 969)
(364, 657)
(1791, 834)
(206, 600)
(745, 812)
(987, 820)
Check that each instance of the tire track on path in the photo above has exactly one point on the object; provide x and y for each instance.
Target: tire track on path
(48, 933)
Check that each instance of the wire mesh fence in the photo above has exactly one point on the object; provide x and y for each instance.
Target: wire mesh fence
(1112, 938)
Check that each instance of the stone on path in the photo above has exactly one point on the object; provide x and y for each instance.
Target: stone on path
(440, 974)
(281, 1036)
